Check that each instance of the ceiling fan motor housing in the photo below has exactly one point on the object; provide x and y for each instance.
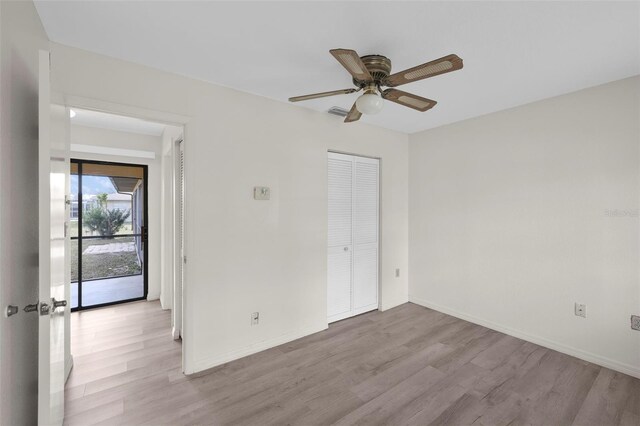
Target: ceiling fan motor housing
(378, 66)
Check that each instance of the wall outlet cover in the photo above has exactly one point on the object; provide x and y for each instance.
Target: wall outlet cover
(261, 193)
(635, 322)
(580, 310)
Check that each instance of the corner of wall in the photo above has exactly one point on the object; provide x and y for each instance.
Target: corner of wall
(538, 340)
(219, 359)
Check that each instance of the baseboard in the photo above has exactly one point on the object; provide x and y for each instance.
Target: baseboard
(394, 304)
(206, 363)
(569, 350)
(68, 366)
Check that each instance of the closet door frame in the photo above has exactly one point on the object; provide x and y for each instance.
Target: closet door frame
(354, 312)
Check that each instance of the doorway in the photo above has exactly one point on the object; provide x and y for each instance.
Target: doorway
(109, 233)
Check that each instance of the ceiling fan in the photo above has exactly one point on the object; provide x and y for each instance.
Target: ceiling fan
(371, 72)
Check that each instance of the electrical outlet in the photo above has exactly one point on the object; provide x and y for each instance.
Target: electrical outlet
(581, 310)
(635, 322)
(397, 272)
(255, 318)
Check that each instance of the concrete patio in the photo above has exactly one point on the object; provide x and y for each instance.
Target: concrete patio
(97, 292)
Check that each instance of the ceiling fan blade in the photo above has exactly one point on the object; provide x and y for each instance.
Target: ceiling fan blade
(322, 95)
(408, 99)
(439, 66)
(352, 63)
(354, 115)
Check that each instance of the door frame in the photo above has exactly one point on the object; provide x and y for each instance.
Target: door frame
(179, 226)
(145, 270)
(373, 157)
(173, 119)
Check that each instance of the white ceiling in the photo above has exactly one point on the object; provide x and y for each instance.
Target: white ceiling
(514, 53)
(103, 120)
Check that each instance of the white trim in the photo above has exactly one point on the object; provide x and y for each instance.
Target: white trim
(179, 236)
(560, 347)
(210, 362)
(340, 316)
(353, 313)
(175, 333)
(127, 110)
(105, 150)
(68, 366)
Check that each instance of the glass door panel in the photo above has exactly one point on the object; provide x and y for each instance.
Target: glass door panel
(111, 234)
(73, 233)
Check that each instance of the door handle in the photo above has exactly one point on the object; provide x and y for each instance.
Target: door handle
(58, 304)
(11, 310)
(31, 308)
(346, 249)
(45, 309)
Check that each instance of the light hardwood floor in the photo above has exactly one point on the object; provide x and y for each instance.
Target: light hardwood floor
(408, 365)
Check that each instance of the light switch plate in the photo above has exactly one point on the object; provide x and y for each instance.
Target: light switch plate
(580, 310)
(261, 193)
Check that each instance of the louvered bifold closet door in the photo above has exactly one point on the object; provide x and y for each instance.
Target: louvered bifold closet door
(365, 235)
(352, 275)
(339, 262)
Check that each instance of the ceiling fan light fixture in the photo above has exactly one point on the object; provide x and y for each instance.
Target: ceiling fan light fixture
(370, 103)
(372, 73)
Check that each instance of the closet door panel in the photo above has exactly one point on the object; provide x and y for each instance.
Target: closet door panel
(365, 231)
(340, 201)
(340, 234)
(365, 278)
(365, 215)
(338, 284)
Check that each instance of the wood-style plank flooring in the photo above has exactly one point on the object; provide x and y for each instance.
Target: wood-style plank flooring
(408, 365)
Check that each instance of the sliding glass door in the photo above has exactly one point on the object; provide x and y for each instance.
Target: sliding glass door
(108, 233)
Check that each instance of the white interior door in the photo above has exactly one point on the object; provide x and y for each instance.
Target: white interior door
(352, 261)
(53, 183)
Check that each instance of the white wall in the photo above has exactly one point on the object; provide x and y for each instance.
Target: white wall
(244, 255)
(21, 35)
(132, 141)
(516, 215)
